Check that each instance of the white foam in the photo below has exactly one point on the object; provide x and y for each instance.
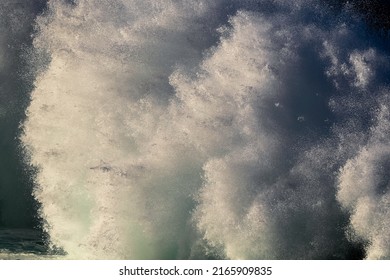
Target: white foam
(154, 139)
(108, 181)
(364, 188)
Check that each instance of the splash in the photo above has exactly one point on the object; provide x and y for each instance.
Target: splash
(210, 129)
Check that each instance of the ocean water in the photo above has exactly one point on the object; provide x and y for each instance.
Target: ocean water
(224, 129)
